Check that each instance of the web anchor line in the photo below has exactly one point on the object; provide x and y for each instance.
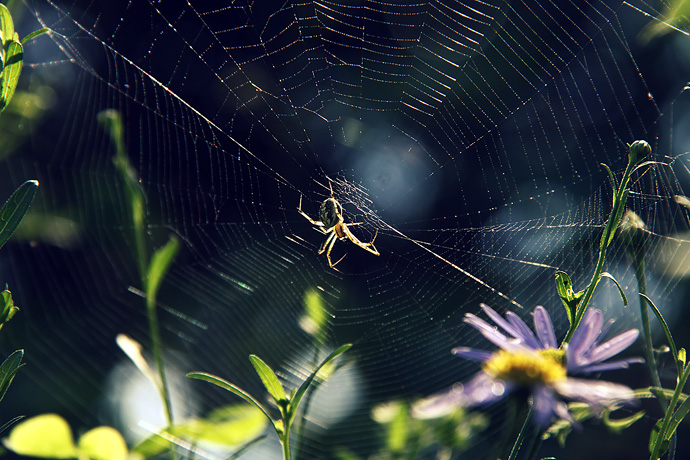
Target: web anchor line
(477, 280)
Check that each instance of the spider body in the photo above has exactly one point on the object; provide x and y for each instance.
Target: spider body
(333, 225)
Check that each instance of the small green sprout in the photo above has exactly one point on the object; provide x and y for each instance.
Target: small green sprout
(7, 309)
(287, 405)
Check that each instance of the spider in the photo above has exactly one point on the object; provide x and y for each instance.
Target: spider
(333, 225)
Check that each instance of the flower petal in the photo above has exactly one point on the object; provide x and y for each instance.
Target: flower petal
(482, 389)
(498, 319)
(488, 331)
(472, 353)
(595, 392)
(584, 337)
(614, 346)
(525, 333)
(611, 365)
(544, 328)
(544, 403)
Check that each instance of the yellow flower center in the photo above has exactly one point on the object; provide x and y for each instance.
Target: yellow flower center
(527, 367)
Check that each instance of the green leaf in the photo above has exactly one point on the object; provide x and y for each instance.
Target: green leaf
(681, 357)
(269, 379)
(45, 436)
(7, 309)
(161, 261)
(222, 383)
(14, 209)
(678, 417)
(6, 26)
(653, 435)
(230, 425)
(399, 430)
(8, 369)
(305, 385)
(14, 56)
(103, 443)
(315, 317)
(9, 423)
(34, 34)
(611, 178)
(620, 289)
(619, 424)
(667, 331)
(111, 121)
(570, 299)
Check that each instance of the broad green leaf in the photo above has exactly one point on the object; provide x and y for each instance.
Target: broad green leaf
(305, 385)
(161, 261)
(570, 299)
(269, 379)
(14, 55)
(45, 436)
(222, 383)
(34, 34)
(8, 369)
(6, 26)
(103, 443)
(620, 289)
(14, 209)
(7, 309)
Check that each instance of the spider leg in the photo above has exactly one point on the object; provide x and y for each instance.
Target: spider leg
(328, 244)
(317, 223)
(366, 246)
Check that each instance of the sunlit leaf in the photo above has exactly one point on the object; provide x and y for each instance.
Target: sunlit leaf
(161, 261)
(45, 436)
(269, 379)
(14, 55)
(620, 289)
(14, 209)
(7, 308)
(6, 26)
(8, 369)
(315, 316)
(103, 443)
(229, 425)
(619, 424)
(222, 383)
(305, 385)
(570, 299)
(34, 34)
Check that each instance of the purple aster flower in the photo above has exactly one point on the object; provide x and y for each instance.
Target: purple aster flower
(534, 361)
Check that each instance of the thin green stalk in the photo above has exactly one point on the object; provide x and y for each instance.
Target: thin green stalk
(646, 329)
(669, 413)
(156, 343)
(521, 436)
(611, 225)
(285, 436)
(307, 401)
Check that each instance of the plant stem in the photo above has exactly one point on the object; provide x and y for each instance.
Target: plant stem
(619, 199)
(521, 436)
(156, 343)
(646, 329)
(669, 412)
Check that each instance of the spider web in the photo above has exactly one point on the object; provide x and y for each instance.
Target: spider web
(466, 137)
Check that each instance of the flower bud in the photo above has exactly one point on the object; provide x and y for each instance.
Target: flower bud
(639, 150)
(633, 233)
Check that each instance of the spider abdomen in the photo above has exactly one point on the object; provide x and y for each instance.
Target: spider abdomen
(330, 213)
